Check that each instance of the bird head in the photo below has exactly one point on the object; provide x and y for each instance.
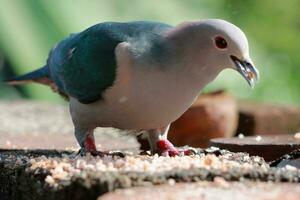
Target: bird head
(217, 44)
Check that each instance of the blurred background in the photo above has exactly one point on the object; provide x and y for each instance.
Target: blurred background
(28, 30)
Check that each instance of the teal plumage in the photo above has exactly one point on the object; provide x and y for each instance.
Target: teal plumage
(84, 65)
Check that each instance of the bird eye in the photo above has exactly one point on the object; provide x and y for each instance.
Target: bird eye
(220, 42)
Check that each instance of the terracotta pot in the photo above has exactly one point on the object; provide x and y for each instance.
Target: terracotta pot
(268, 119)
(212, 115)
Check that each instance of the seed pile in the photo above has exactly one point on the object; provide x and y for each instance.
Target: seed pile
(64, 168)
(59, 172)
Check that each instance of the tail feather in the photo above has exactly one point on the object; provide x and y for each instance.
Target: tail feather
(40, 75)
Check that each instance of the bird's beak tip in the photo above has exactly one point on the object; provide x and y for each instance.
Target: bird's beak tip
(247, 70)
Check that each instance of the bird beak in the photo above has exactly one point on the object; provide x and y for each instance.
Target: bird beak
(247, 70)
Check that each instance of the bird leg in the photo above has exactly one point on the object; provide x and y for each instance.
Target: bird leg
(89, 143)
(161, 145)
(86, 141)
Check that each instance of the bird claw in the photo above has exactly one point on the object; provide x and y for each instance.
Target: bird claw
(189, 151)
(117, 154)
(180, 152)
(166, 148)
(84, 152)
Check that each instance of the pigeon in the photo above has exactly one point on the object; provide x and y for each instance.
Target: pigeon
(140, 75)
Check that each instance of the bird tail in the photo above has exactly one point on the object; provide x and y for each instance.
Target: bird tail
(40, 75)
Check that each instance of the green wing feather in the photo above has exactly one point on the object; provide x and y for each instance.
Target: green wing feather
(84, 64)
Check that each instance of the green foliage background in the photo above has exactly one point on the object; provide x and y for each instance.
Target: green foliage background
(29, 28)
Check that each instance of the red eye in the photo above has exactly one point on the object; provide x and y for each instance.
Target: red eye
(220, 42)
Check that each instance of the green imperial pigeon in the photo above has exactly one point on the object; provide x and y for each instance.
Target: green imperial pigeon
(140, 75)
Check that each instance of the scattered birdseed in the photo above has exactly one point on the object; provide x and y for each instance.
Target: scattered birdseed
(49, 180)
(258, 138)
(250, 75)
(257, 159)
(63, 168)
(59, 169)
(171, 181)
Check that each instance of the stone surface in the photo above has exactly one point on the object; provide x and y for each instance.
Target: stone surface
(288, 160)
(52, 174)
(33, 125)
(267, 119)
(56, 175)
(29, 117)
(219, 189)
(268, 147)
(212, 115)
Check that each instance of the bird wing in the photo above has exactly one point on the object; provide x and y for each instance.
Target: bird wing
(84, 65)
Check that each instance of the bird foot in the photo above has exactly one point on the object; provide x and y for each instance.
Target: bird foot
(90, 147)
(166, 148)
(84, 152)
